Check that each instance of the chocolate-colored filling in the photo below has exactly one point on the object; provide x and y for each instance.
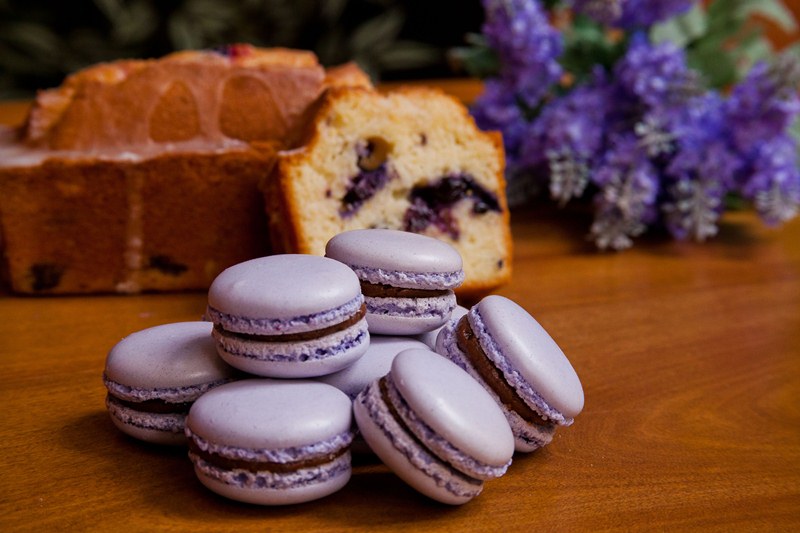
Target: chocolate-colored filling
(155, 406)
(302, 336)
(469, 344)
(380, 290)
(264, 466)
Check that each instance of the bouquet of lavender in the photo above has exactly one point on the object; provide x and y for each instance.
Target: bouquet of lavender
(644, 108)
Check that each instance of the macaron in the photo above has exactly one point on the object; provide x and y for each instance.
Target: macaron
(435, 427)
(506, 350)
(407, 279)
(375, 364)
(271, 442)
(153, 376)
(288, 316)
(429, 337)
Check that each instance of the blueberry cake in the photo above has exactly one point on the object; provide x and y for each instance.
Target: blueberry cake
(142, 175)
(410, 159)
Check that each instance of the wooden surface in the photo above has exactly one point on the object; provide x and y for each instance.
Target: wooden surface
(689, 356)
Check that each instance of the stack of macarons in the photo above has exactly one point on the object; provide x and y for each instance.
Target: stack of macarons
(302, 358)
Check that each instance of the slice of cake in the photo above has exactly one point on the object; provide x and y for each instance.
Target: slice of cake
(411, 159)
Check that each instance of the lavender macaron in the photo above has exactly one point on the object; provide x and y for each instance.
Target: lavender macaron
(515, 359)
(429, 337)
(153, 376)
(435, 427)
(375, 364)
(407, 279)
(288, 316)
(272, 442)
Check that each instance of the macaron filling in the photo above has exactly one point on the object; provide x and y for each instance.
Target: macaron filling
(282, 326)
(510, 374)
(379, 409)
(299, 336)
(284, 468)
(124, 412)
(155, 409)
(171, 395)
(315, 349)
(381, 290)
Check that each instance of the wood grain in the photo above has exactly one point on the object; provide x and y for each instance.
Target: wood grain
(689, 356)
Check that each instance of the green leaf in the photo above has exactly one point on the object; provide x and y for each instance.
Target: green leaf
(682, 29)
(718, 68)
(749, 51)
(772, 10)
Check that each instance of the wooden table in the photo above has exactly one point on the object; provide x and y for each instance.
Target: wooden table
(689, 355)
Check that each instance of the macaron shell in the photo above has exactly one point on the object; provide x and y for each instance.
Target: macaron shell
(283, 287)
(429, 337)
(376, 363)
(533, 353)
(454, 405)
(154, 436)
(255, 357)
(174, 355)
(399, 463)
(528, 436)
(393, 250)
(299, 413)
(269, 496)
(402, 325)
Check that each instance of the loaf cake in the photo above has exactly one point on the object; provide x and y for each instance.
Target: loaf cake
(143, 175)
(410, 159)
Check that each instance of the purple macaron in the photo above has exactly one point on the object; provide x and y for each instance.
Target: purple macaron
(429, 337)
(375, 364)
(435, 427)
(407, 279)
(154, 375)
(515, 359)
(288, 316)
(272, 442)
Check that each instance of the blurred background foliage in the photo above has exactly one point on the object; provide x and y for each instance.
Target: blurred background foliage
(43, 41)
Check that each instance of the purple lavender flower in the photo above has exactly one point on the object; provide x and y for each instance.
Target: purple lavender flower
(631, 14)
(527, 45)
(656, 75)
(697, 180)
(773, 180)
(496, 109)
(645, 13)
(606, 12)
(765, 103)
(567, 138)
(629, 186)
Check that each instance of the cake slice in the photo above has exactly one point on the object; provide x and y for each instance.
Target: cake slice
(410, 159)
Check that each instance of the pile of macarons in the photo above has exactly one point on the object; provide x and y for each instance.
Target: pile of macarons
(301, 360)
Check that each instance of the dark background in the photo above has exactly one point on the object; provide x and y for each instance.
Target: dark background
(43, 41)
